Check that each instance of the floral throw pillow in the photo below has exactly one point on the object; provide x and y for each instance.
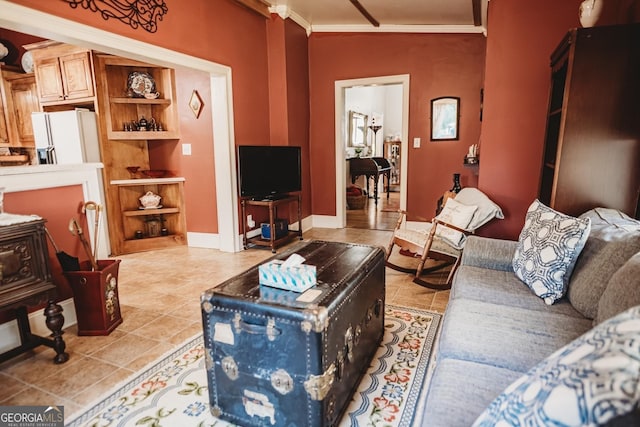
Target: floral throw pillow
(591, 381)
(547, 250)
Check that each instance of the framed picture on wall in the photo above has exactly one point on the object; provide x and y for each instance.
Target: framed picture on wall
(196, 104)
(445, 118)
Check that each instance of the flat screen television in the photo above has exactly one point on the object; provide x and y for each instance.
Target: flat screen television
(269, 172)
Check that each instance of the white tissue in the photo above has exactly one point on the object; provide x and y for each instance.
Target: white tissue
(293, 261)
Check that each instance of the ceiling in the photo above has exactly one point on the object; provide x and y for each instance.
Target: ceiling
(391, 15)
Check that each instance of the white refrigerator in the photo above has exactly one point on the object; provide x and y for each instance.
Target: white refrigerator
(66, 137)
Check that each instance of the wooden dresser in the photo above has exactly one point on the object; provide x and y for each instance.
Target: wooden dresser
(25, 280)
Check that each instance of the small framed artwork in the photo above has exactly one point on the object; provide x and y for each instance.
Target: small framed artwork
(196, 104)
(445, 118)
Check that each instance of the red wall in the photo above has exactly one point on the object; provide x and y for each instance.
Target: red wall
(57, 214)
(520, 39)
(438, 65)
(198, 168)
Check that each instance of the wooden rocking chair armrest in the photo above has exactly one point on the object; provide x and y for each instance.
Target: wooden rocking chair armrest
(446, 224)
(402, 215)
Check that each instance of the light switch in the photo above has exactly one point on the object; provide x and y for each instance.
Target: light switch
(416, 142)
(186, 149)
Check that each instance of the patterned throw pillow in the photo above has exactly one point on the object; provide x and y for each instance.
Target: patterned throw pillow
(589, 382)
(459, 215)
(547, 250)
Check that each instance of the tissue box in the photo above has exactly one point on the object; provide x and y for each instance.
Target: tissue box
(296, 278)
(281, 226)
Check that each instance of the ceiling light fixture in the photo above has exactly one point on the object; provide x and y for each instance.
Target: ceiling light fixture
(365, 13)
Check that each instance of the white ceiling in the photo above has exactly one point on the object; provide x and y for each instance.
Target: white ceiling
(392, 15)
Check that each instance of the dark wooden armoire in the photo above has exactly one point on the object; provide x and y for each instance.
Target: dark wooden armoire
(592, 140)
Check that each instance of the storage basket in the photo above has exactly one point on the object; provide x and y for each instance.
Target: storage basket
(356, 202)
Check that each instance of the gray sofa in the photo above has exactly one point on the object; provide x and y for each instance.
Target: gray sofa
(495, 329)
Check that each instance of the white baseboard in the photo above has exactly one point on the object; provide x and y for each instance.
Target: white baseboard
(203, 240)
(325, 221)
(10, 335)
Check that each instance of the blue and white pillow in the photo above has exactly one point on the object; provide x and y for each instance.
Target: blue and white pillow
(547, 250)
(588, 382)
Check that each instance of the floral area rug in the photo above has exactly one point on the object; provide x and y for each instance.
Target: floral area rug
(173, 391)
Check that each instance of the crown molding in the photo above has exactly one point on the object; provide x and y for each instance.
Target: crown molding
(285, 12)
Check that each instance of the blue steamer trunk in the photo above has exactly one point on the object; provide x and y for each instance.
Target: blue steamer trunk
(281, 358)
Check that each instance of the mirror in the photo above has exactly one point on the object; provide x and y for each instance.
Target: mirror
(357, 129)
(445, 118)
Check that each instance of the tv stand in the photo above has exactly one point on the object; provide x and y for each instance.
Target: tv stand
(272, 205)
(271, 197)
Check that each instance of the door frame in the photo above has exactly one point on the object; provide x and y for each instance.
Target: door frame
(340, 137)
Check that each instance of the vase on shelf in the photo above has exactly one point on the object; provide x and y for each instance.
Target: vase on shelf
(589, 12)
(456, 183)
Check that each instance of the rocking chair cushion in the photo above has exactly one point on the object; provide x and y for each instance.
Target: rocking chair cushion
(459, 215)
(419, 238)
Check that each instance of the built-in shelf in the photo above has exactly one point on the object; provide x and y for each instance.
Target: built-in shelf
(135, 221)
(157, 101)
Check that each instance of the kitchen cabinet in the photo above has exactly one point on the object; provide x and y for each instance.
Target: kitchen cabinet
(22, 92)
(64, 73)
(592, 140)
(19, 100)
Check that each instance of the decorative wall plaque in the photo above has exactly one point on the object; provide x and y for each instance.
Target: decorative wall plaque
(135, 13)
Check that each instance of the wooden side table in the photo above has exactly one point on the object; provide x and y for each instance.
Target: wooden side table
(273, 242)
(25, 280)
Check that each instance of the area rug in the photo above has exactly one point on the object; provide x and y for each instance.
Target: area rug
(173, 391)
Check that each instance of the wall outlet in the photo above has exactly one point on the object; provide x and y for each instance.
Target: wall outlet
(186, 149)
(416, 142)
(250, 222)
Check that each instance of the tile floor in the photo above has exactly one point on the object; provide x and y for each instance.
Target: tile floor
(159, 295)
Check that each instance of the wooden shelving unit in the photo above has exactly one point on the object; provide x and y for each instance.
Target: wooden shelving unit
(122, 110)
(133, 219)
(123, 147)
(593, 108)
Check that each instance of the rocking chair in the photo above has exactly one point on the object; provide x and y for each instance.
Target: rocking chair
(443, 238)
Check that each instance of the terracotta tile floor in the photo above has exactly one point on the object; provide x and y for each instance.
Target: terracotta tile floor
(159, 296)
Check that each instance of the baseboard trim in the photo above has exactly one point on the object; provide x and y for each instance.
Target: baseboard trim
(203, 240)
(10, 335)
(325, 221)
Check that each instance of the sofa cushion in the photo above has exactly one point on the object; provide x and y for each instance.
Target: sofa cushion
(481, 384)
(614, 238)
(503, 288)
(622, 291)
(508, 337)
(588, 382)
(494, 254)
(549, 245)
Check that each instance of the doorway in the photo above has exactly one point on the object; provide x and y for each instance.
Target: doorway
(22, 19)
(359, 94)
